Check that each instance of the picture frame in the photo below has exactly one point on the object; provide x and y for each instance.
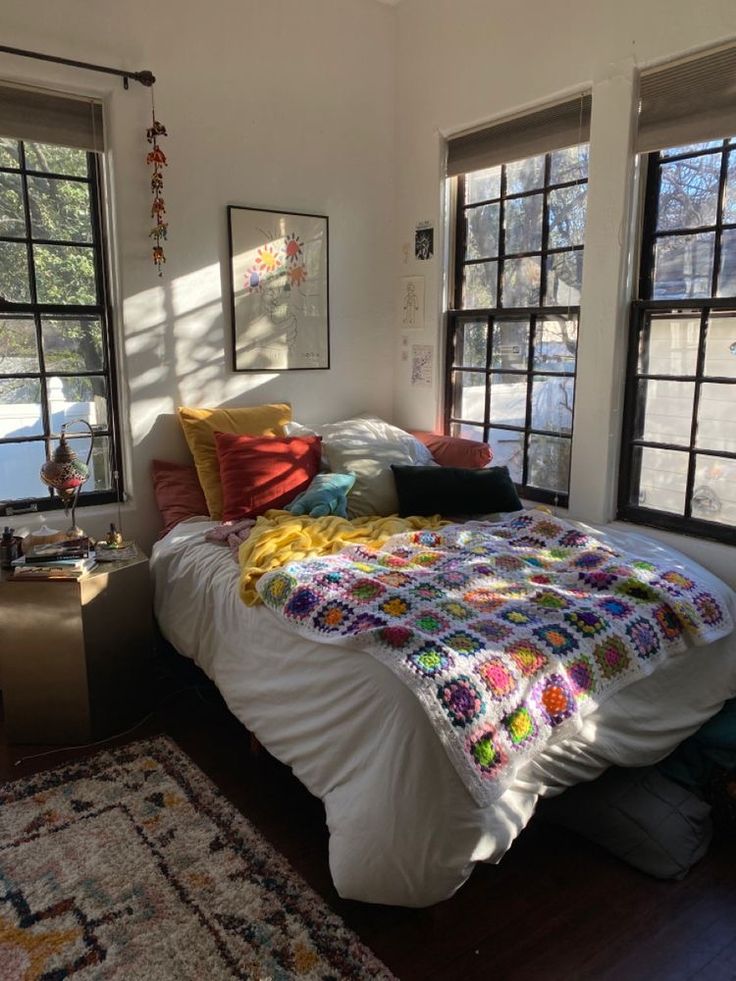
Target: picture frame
(279, 289)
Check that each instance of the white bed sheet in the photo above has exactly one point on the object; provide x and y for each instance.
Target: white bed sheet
(403, 828)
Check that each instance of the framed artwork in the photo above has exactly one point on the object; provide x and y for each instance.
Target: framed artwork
(280, 290)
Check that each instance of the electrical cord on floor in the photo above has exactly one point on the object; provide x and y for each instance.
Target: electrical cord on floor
(118, 735)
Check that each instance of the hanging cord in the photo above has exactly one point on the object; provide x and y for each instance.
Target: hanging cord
(157, 159)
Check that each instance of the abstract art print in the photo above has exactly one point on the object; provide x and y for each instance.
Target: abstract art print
(280, 290)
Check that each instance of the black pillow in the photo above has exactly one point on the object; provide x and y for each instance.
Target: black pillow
(454, 490)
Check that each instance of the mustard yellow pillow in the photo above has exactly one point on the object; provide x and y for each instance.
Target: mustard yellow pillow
(200, 426)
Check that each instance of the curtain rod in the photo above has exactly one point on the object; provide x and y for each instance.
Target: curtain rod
(145, 77)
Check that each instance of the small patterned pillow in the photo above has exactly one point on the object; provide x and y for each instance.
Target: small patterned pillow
(327, 494)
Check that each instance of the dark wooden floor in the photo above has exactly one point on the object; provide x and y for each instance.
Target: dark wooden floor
(555, 908)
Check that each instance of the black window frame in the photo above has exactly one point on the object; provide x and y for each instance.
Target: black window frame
(102, 309)
(642, 309)
(458, 316)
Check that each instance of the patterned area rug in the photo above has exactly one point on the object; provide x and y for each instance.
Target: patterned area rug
(131, 865)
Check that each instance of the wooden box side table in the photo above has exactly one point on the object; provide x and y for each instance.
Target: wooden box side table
(73, 653)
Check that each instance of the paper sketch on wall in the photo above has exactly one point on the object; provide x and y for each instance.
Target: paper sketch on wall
(279, 290)
(422, 358)
(411, 305)
(424, 241)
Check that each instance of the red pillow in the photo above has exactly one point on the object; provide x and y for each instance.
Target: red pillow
(455, 451)
(178, 493)
(262, 472)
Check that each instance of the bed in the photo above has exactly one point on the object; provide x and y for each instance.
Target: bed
(403, 827)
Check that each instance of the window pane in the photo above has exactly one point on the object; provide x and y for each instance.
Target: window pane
(566, 209)
(570, 164)
(65, 274)
(688, 192)
(669, 345)
(469, 395)
(521, 278)
(552, 402)
(20, 408)
(683, 266)
(59, 209)
(523, 224)
(470, 344)
(720, 346)
(12, 218)
(717, 417)
(482, 185)
(555, 344)
(663, 478)
(480, 286)
(20, 464)
(714, 490)
(549, 463)
(72, 344)
(56, 159)
(510, 344)
(14, 272)
(727, 272)
(664, 411)
(508, 451)
(525, 175)
(8, 153)
(77, 398)
(729, 200)
(508, 399)
(17, 345)
(481, 240)
(564, 279)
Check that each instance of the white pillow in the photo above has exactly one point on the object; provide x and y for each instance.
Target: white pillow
(367, 446)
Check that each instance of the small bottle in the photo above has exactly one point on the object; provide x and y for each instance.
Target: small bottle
(8, 549)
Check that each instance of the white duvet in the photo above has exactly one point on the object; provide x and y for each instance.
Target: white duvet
(403, 828)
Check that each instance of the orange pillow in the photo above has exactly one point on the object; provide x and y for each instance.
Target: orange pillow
(259, 473)
(200, 426)
(177, 492)
(455, 451)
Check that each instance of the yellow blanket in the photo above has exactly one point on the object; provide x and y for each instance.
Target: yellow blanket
(279, 537)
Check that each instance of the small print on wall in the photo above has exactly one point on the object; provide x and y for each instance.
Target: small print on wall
(422, 358)
(280, 301)
(424, 241)
(411, 305)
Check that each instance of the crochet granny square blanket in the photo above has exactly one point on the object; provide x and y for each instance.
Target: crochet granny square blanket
(508, 633)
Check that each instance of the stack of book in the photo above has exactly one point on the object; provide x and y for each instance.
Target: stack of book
(58, 560)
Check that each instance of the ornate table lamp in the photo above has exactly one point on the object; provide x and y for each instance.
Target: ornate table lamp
(66, 473)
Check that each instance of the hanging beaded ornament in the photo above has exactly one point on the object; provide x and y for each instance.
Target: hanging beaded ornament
(157, 159)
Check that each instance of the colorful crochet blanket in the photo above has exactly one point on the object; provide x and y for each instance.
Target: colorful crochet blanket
(507, 633)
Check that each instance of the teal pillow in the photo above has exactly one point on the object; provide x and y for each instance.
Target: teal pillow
(327, 494)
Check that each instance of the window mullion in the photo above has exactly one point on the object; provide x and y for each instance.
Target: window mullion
(690, 482)
(528, 411)
(719, 223)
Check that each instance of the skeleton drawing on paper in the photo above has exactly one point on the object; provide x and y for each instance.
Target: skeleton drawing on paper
(412, 302)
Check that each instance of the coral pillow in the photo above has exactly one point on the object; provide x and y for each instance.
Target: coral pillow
(200, 426)
(455, 451)
(178, 493)
(259, 473)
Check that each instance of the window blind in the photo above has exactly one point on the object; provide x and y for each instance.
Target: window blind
(551, 128)
(49, 117)
(689, 101)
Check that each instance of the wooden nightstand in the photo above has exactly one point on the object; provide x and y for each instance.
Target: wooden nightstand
(73, 653)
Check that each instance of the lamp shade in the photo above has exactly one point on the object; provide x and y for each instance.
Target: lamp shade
(65, 472)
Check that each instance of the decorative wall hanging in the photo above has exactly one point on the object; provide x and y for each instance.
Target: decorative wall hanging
(280, 290)
(411, 303)
(157, 159)
(422, 364)
(424, 241)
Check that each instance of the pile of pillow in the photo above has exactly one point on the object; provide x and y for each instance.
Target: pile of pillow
(249, 460)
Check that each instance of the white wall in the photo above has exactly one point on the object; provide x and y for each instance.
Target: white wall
(464, 62)
(279, 105)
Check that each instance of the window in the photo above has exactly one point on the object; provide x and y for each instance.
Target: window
(678, 467)
(55, 339)
(512, 335)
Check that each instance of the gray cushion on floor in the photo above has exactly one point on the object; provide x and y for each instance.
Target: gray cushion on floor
(640, 816)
